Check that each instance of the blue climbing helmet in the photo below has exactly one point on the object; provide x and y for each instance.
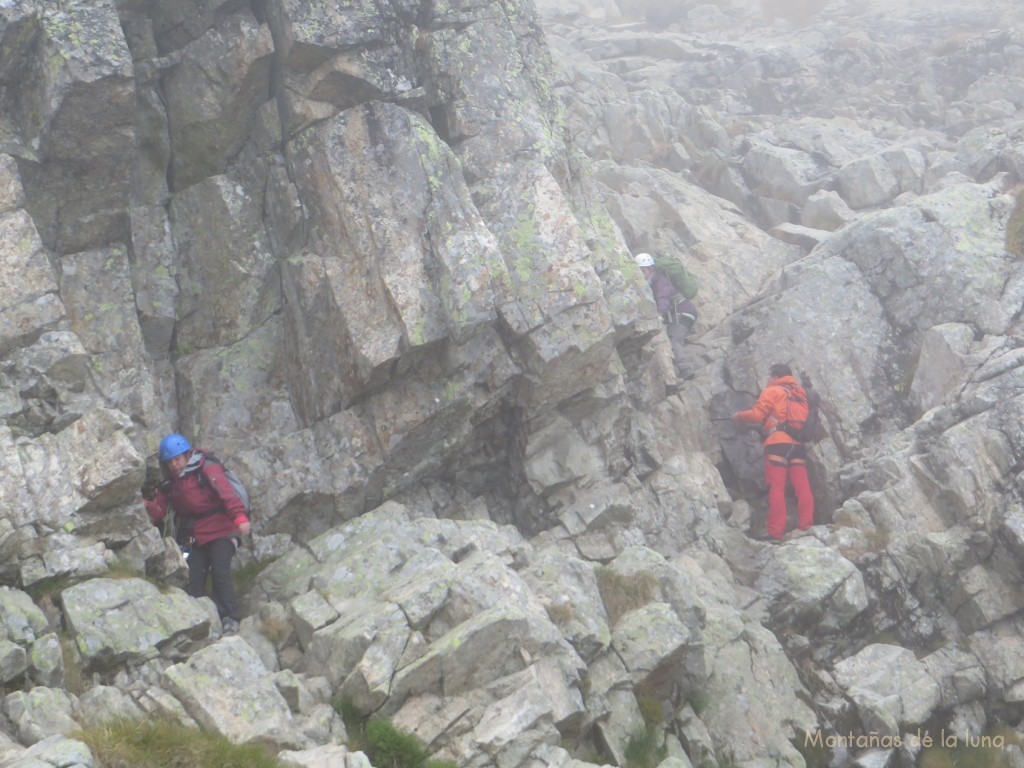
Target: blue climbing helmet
(173, 445)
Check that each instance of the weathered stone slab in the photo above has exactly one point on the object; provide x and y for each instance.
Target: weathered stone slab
(227, 690)
(114, 621)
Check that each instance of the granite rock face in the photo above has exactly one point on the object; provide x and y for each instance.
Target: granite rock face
(379, 257)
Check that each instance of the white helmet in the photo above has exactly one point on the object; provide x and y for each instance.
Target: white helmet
(644, 260)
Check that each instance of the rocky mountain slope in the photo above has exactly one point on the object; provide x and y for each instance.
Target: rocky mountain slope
(379, 257)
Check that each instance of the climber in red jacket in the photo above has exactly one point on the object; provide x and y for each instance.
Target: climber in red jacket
(204, 501)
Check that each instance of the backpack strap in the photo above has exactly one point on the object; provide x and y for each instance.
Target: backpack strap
(204, 481)
(680, 311)
(791, 395)
(779, 423)
(683, 311)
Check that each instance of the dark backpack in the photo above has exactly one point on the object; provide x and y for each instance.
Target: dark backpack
(682, 279)
(803, 407)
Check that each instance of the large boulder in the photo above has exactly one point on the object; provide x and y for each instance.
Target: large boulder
(740, 654)
(31, 649)
(226, 689)
(783, 173)
(65, 478)
(213, 95)
(94, 286)
(867, 182)
(41, 713)
(405, 612)
(367, 281)
(73, 117)
(29, 300)
(115, 622)
(337, 58)
(227, 274)
(51, 750)
(812, 587)
(956, 252)
(891, 688)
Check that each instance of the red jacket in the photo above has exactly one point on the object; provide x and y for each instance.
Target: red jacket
(209, 500)
(770, 410)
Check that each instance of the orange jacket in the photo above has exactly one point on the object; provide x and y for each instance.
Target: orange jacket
(770, 410)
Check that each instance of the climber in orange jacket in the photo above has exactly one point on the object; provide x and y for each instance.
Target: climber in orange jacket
(785, 458)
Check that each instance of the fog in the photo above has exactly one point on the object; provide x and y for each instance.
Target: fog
(728, 18)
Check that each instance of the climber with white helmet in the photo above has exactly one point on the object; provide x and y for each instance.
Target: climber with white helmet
(677, 311)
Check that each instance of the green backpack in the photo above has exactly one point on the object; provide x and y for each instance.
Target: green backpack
(682, 279)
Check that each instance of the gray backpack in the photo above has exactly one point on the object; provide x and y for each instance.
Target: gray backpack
(236, 482)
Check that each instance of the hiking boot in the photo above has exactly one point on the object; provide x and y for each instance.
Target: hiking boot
(761, 534)
(797, 533)
(230, 626)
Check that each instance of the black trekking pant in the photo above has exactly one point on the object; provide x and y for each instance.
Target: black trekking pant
(677, 333)
(214, 560)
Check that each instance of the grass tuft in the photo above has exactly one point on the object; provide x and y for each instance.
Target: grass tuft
(355, 721)
(645, 749)
(651, 709)
(698, 701)
(1015, 225)
(383, 743)
(47, 590)
(156, 744)
(388, 747)
(962, 751)
(75, 680)
(622, 593)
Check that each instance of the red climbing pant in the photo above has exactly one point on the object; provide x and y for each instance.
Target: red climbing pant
(782, 463)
